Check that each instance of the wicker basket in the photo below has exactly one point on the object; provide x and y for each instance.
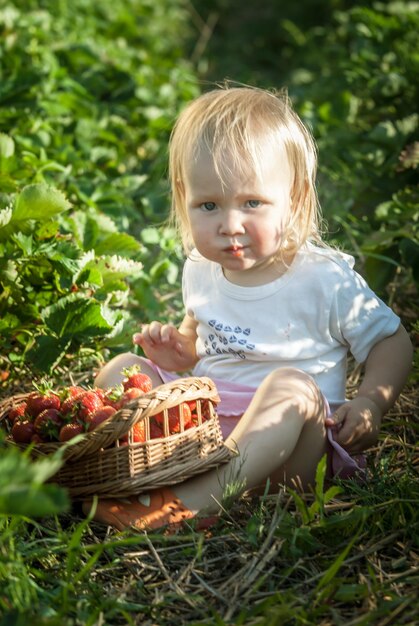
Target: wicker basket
(101, 464)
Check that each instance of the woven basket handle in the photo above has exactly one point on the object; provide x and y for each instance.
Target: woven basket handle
(155, 401)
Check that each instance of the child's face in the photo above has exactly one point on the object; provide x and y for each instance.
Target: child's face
(239, 224)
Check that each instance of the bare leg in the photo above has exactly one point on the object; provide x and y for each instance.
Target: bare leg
(111, 373)
(281, 436)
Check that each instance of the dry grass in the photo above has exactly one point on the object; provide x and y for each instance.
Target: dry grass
(270, 560)
(355, 564)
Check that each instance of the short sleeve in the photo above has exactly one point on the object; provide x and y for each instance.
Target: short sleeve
(190, 277)
(359, 317)
(185, 284)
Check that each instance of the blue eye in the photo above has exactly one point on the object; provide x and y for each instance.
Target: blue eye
(208, 206)
(253, 204)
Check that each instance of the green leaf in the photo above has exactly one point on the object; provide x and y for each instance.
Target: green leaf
(39, 202)
(33, 502)
(22, 488)
(8, 322)
(9, 272)
(115, 267)
(24, 242)
(7, 146)
(118, 243)
(48, 230)
(172, 273)
(160, 269)
(48, 351)
(150, 236)
(5, 216)
(77, 318)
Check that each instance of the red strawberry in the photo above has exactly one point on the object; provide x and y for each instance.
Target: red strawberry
(22, 432)
(38, 401)
(68, 431)
(101, 393)
(135, 378)
(113, 397)
(155, 430)
(192, 405)
(87, 403)
(37, 439)
(138, 432)
(17, 412)
(206, 410)
(71, 392)
(173, 415)
(131, 394)
(69, 406)
(47, 424)
(67, 395)
(100, 415)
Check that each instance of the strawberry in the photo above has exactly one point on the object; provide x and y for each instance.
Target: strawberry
(173, 415)
(37, 438)
(41, 399)
(69, 405)
(155, 430)
(71, 392)
(131, 394)
(135, 378)
(192, 405)
(101, 393)
(68, 431)
(138, 432)
(22, 431)
(67, 396)
(113, 397)
(206, 410)
(17, 412)
(47, 424)
(86, 403)
(100, 415)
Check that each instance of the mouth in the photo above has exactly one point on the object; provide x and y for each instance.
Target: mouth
(237, 251)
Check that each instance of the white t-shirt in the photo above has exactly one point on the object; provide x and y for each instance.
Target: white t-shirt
(309, 318)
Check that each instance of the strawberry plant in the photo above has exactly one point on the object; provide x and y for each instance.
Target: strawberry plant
(22, 484)
(82, 174)
(57, 297)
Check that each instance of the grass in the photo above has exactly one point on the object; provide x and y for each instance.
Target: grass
(350, 558)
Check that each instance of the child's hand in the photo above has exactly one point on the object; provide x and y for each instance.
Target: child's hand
(356, 424)
(166, 346)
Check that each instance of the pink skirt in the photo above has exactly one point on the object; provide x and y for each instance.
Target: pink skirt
(235, 399)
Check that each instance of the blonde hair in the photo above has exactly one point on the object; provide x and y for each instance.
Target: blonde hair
(234, 120)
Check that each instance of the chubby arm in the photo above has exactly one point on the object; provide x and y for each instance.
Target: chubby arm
(357, 423)
(170, 348)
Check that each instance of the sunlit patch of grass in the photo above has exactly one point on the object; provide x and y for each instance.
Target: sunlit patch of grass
(346, 554)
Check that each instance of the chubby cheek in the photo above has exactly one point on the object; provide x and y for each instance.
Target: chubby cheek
(265, 238)
(201, 235)
(204, 247)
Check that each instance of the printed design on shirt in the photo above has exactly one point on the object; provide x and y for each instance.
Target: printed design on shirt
(227, 339)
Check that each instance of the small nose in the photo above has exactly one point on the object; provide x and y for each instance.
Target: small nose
(231, 222)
